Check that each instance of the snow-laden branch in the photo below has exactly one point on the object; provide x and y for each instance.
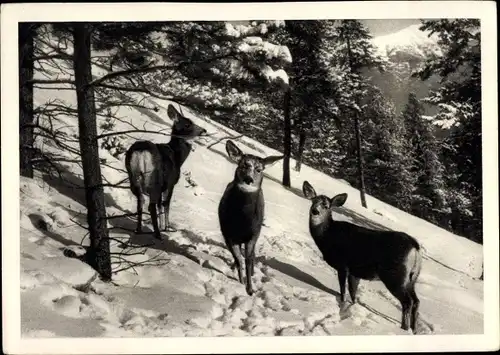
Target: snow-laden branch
(253, 29)
(256, 45)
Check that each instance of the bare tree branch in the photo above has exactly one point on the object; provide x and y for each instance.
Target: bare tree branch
(131, 131)
(55, 81)
(225, 137)
(52, 57)
(132, 71)
(122, 215)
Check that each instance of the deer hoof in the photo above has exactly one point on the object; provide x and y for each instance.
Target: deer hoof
(170, 229)
(344, 305)
(249, 292)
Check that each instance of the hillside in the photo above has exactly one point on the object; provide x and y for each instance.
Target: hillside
(183, 286)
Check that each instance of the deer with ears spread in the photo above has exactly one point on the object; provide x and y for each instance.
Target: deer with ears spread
(360, 253)
(154, 169)
(241, 209)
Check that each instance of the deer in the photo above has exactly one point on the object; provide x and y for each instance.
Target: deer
(241, 209)
(360, 253)
(154, 169)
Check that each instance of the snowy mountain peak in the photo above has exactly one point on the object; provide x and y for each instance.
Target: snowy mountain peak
(408, 44)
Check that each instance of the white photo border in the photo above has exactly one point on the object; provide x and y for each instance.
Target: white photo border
(11, 14)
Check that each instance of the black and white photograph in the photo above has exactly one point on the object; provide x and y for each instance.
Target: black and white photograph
(311, 173)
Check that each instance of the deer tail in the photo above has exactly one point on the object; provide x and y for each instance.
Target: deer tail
(415, 265)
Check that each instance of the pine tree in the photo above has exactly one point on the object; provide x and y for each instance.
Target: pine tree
(387, 159)
(306, 105)
(429, 195)
(27, 34)
(220, 67)
(459, 110)
(98, 253)
(353, 52)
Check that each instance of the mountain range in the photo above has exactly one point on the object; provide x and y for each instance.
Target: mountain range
(408, 44)
(405, 50)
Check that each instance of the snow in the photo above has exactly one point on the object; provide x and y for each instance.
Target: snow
(408, 43)
(280, 76)
(184, 285)
(253, 28)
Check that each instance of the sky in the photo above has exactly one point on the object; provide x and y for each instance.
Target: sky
(386, 26)
(378, 27)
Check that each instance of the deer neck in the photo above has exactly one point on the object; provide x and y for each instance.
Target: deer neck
(318, 228)
(181, 149)
(245, 198)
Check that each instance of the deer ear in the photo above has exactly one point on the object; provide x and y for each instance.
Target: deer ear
(233, 151)
(338, 200)
(268, 161)
(173, 113)
(308, 190)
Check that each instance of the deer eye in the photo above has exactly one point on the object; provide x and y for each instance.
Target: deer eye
(258, 169)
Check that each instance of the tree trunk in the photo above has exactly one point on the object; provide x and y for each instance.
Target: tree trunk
(300, 153)
(98, 252)
(26, 140)
(287, 139)
(362, 190)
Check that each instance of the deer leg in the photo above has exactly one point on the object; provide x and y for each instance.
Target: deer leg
(414, 310)
(154, 219)
(238, 259)
(395, 285)
(140, 203)
(353, 283)
(161, 214)
(249, 263)
(166, 205)
(407, 305)
(342, 274)
(253, 261)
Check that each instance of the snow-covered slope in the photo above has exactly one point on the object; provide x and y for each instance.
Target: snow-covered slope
(407, 44)
(183, 286)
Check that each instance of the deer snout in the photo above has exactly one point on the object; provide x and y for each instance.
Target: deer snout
(248, 180)
(314, 211)
(203, 132)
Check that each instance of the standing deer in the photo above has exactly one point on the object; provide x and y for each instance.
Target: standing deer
(241, 209)
(154, 169)
(360, 253)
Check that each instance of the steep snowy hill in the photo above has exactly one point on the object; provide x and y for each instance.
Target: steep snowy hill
(183, 285)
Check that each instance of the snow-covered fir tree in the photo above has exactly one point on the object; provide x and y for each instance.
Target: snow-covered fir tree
(459, 111)
(428, 200)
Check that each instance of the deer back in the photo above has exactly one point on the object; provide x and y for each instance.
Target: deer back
(143, 162)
